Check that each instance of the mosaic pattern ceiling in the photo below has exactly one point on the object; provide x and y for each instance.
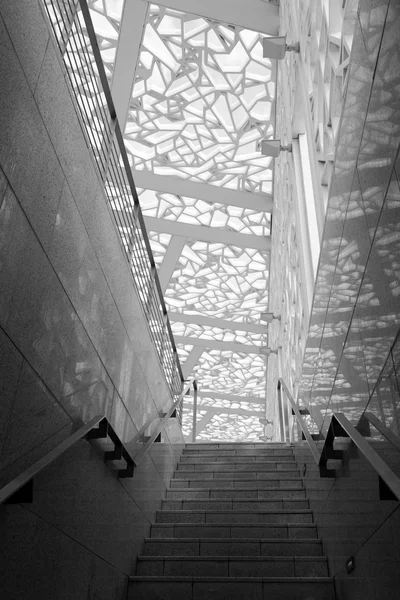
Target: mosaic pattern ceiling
(202, 102)
(220, 281)
(106, 17)
(184, 209)
(206, 332)
(232, 373)
(219, 419)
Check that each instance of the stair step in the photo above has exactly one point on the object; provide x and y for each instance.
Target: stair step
(225, 566)
(238, 467)
(235, 524)
(237, 452)
(236, 494)
(249, 505)
(231, 547)
(234, 516)
(234, 475)
(224, 588)
(254, 484)
(225, 445)
(234, 530)
(248, 458)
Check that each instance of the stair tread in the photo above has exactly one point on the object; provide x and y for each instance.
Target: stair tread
(232, 539)
(302, 511)
(222, 489)
(292, 478)
(235, 558)
(227, 579)
(249, 452)
(232, 463)
(309, 525)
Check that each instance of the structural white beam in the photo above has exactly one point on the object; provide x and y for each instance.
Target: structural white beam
(251, 14)
(230, 397)
(192, 360)
(201, 424)
(171, 257)
(216, 410)
(216, 345)
(129, 40)
(303, 234)
(302, 82)
(202, 191)
(214, 235)
(222, 323)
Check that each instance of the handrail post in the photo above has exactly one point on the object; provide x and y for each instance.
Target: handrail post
(280, 411)
(194, 432)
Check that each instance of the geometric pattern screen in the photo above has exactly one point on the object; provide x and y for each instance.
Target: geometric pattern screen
(202, 102)
(203, 99)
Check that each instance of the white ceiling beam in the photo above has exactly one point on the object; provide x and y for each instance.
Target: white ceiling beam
(201, 424)
(217, 345)
(222, 323)
(251, 14)
(216, 410)
(127, 56)
(214, 235)
(202, 191)
(192, 360)
(230, 397)
(170, 259)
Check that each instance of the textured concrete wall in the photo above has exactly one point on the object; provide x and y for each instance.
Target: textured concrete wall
(73, 340)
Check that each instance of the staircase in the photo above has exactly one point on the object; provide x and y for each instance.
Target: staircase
(236, 524)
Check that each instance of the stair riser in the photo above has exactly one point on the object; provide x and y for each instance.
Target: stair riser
(232, 495)
(233, 517)
(233, 531)
(225, 567)
(253, 590)
(160, 547)
(250, 452)
(235, 445)
(270, 505)
(257, 484)
(202, 459)
(235, 475)
(238, 467)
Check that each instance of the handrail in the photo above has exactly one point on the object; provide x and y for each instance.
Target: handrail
(176, 407)
(389, 435)
(313, 446)
(21, 487)
(340, 426)
(100, 124)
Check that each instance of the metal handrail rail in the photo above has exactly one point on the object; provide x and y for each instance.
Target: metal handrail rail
(377, 423)
(313, 446)
(105, 138)
(88, 431)
(98, 427)
(175, 408)
(345, 428)
(340, 426)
